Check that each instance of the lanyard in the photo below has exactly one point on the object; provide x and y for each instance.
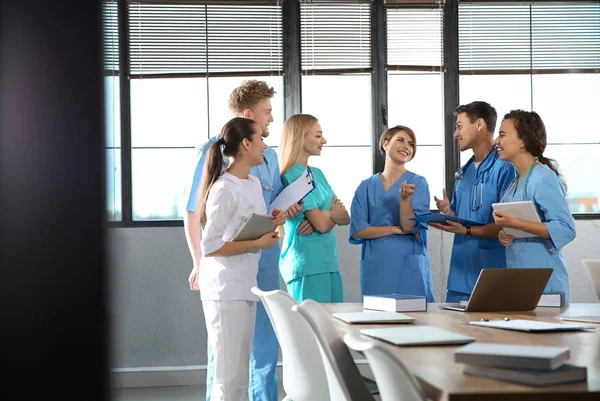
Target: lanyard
(516, 180)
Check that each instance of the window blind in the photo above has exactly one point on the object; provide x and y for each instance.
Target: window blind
(335, 36)
(529, 37)
(204, 37)
(110, 37)
(415, 38)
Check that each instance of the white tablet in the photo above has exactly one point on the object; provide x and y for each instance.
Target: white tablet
(524, 211)
(255, 226)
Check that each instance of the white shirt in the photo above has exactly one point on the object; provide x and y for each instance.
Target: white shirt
(230, 201)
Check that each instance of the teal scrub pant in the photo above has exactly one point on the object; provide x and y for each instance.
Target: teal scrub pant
(323, 288)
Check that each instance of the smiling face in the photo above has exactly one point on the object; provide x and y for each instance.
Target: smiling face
(261, 112)
(255, 147)
(466, 131)
(313, 141)
(400, 147)
(508, 141)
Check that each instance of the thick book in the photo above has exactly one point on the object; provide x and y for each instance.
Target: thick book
(552, 299)
(564, 374)
(395, 303)
(512, 355)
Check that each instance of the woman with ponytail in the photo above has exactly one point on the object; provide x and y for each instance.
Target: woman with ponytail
(228, 269)
(522, 141)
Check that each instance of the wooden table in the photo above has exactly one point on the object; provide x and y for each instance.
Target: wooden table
(443, 379)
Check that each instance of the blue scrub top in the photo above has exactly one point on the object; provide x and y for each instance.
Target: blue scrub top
(472, 199)
(548, 194)
(268, 173)
(395, 264)
(304, 255)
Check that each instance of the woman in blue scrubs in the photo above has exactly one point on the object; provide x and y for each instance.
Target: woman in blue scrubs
(394, 257)
(522, 141)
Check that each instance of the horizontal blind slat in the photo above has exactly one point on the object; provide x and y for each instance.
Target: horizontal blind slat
(204, 38)
(335, 35)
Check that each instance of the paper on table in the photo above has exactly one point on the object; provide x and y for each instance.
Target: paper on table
(524, 211)
(295, 192)
(530, 325)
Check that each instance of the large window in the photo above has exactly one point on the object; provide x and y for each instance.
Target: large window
(185, 59)
(545, 57)
(415, 85)
(112, 110)
(336, 89)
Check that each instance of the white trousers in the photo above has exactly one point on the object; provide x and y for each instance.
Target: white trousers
(230, 328)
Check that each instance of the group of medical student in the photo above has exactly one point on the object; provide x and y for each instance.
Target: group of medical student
(236, 174)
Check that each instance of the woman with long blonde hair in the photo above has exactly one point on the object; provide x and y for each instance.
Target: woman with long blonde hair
(309, 263)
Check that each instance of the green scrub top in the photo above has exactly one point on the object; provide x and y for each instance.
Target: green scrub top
(304, 255)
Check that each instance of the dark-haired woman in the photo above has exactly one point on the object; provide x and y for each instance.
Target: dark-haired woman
(522, 141)
(228, 269)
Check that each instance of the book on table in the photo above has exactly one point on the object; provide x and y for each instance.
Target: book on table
(566, 373)
(514, 356)
(395, 303)
(552, 299)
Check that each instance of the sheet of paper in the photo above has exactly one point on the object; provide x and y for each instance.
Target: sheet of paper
(530, 325)
(294, 192)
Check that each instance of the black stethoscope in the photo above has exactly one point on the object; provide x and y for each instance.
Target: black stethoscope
(262, 183)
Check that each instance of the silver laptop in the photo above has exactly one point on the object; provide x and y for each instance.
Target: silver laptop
(506, 290)
(592, 267)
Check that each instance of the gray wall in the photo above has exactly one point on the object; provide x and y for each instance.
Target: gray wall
(157, 321)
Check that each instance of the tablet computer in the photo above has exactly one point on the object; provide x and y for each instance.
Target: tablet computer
(255, 226)
(441, 218)
(522, 210)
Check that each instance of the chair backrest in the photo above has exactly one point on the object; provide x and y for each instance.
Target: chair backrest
(394, 380)
(592, 266)
(343, 376)
(304, 377)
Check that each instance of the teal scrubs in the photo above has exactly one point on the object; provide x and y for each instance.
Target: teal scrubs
(474, 192)
(309, 263)
(394, 264)
(546, 191)
(263, 384)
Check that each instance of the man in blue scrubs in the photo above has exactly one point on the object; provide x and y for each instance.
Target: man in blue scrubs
(479, 183)
(252, 99)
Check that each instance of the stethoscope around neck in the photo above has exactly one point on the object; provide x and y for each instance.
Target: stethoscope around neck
(477, 202)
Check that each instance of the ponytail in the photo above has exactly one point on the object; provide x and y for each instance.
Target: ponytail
(552, 165)
(212, 170)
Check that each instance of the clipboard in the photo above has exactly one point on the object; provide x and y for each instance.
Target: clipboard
(255, 226)
(522, 210)
(295, 192)
(441, 218)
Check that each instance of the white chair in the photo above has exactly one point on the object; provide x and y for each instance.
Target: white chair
(394, 380)
(304, 377)
(344, 379)
(592, 267)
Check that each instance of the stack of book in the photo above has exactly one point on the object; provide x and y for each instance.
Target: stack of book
(533, 365)
(395, 303)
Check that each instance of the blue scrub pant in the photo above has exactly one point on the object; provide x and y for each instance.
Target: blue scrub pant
(322, 288)
(455, 296)
(263, 382)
